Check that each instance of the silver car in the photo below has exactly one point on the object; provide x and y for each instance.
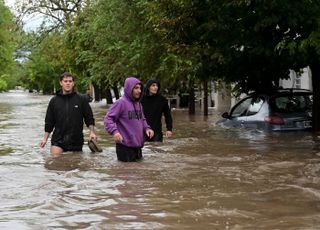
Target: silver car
(283, 110)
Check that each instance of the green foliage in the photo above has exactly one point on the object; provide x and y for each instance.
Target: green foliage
(115, 41)
(11, 80)
(188, 30)
(262, 41)
(6, 42)
(249, 43)
(3, 84)
(44, 63)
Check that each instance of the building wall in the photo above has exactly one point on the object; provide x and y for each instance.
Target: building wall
(223, 100)
(302, 81)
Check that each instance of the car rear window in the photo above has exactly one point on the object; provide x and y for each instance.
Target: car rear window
(291, 103)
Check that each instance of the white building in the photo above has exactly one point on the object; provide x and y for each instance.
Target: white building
(300, 81)
(223, 100)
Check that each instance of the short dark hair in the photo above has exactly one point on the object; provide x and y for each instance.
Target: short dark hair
(66, 74)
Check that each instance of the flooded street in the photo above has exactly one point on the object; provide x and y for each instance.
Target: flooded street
(205, 177)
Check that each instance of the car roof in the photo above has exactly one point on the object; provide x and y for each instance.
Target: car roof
(293, 90)
(282, 91)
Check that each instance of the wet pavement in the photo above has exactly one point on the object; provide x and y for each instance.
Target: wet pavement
(205, 177)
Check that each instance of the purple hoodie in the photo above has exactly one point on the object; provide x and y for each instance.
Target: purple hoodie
(126, 117)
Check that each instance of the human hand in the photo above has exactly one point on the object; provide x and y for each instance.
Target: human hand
(43, 143)
(117, 137)
(168, 134)
(149, 133)
(92, 136)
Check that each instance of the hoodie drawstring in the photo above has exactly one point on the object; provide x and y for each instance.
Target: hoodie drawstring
(136, 112)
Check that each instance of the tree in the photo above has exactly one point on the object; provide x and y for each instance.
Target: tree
(56, 13)
(267, 38)
(6, 43)
(189, 29)
(305, 47)
(112, 39)
(46, 51)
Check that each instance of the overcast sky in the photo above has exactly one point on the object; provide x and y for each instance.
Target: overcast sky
(32, 22)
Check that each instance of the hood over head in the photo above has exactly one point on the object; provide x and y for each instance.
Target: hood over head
(149, 83)
(129, 84)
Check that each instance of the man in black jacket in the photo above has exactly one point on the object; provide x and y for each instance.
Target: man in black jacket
(154, 106)
(65, 115)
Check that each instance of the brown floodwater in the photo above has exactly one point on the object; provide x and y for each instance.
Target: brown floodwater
(205, 177)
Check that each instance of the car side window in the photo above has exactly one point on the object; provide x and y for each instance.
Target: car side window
(255, 106)
(241, 108)
(247, 107)
(292, 103)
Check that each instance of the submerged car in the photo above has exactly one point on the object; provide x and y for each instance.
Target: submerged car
(282, 110)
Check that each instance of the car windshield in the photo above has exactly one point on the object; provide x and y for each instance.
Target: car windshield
(291, 103)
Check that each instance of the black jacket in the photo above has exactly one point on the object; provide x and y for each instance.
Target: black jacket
(65, 115)
(154, 107)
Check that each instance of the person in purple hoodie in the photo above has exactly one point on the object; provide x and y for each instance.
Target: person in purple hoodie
(126, 122)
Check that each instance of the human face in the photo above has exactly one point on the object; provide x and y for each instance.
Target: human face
(153, 89)
(67, 85)
(136, 92)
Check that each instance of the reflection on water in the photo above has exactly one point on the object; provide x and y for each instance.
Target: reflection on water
(203, 178)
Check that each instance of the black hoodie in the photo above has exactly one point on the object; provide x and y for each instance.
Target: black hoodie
(154, 106)
(65, 116)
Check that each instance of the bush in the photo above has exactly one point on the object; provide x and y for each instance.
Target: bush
(3, 85)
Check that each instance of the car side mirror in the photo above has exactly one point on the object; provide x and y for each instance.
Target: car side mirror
(225, 115)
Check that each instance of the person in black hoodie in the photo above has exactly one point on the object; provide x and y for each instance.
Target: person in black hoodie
(155, 105)
(65, 115)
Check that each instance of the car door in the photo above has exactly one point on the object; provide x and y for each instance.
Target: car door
(238, 114)
(256, 113)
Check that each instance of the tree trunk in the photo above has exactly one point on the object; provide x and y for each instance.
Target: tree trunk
(97, 92)
(205, 98)
(108, 96)
(116, 92)
(192, 106)
(315, 70)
